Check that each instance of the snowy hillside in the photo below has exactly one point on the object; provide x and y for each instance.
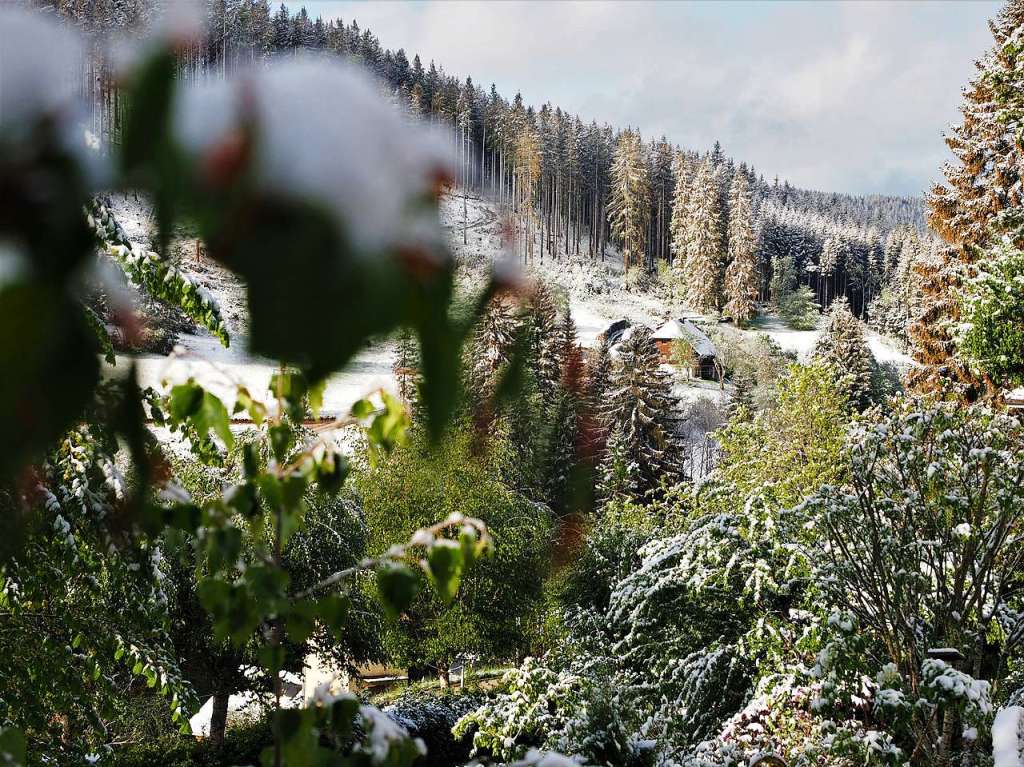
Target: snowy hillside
(594, 290)
(199, 354)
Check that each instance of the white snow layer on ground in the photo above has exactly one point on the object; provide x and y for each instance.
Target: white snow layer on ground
(594, 291)
(222, 370)
(1008, 737)
(802, 342)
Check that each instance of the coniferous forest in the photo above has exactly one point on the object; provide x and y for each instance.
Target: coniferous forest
(356, 413)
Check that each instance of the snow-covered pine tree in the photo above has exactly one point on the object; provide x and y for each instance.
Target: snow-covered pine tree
(680, 201)
(614, 480)
(990, 336)
(570, 355)
(982, 182)
(933, 290)
(741, 274)
(833, 257)
(629, 203)
(416, 101)
(526, 173)
(723, 183)
(599, 371)
(545, 342)
(640, 409)
(899, 302)
(492, 348)
(875, 271)
(742, 402)
(891, 251)
(561, 458)
(704, 256)
(844, 348)
(281, 33)
(984, 178)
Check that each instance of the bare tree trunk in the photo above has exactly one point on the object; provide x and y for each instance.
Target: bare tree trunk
(219, 717)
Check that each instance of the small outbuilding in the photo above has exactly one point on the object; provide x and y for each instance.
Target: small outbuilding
(704, 362)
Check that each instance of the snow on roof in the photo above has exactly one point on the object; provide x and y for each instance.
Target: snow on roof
(1014, 396)
(613, 333)
(669, 331)
(686, 330)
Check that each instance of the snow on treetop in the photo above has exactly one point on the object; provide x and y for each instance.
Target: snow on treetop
(324, 134)
(38, 69)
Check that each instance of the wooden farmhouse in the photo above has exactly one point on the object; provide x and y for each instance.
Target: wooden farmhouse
(704, 359)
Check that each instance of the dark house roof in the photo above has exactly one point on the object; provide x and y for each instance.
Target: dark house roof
(613, 333)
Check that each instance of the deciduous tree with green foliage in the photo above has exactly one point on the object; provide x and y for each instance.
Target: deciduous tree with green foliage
(790, 450)
(494, 615)
(924, 543)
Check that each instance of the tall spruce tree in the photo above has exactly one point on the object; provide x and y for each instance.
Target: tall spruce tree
(704, 256)
(545, 341)
(567, 473)
(984, 177)
(981, 183)
(792, 302)
(932, 292)
(595, 380)
(844, 348)
(569, 352)
(492, 348)
(991, 336)
(640, 410)
(741, 274)
(629, 205)
(680, 205)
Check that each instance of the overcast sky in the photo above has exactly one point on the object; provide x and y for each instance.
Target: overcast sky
(841, 96)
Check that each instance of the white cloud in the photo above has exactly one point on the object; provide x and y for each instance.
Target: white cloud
(837, 96)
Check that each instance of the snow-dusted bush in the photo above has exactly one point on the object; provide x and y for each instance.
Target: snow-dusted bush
(572, 711)
(1008, 737)
(147, 271)
(375, 194)
(430, 717)
(779, 719)
(941, 683)
(40, 87)
(532, 711)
